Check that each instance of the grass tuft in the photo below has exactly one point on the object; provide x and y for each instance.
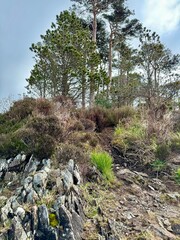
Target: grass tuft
(103, 161)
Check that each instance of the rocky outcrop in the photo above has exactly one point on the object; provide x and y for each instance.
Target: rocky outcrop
(39, 202)
(35, 210)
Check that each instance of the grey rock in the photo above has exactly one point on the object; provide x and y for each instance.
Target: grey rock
(31, 166)
(31, 197)
(10, 176)
(67, 179)
(46, 165)
(66, 222)
(162, 232)
(20, 212)
(39, 182)
(18, 231)
(43, 217)
(71, 166)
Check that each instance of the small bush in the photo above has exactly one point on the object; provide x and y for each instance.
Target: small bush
(44, 146)
(44, 106)
(175, 142)
(125, 137)
(28, 141)
(76, 126)
(158, 166)
(103, 161)
(21, 109)
(88, 124)
(46, 125)
(177, 176)
(83, 139)
(162, 151)
(66, 151)
(103, 117)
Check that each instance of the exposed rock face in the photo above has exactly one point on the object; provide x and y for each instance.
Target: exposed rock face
(36, 212)
(43, 203)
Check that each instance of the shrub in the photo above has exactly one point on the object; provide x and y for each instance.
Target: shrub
(103, 117)
(46, 125)
(88, 124)
(21, 109)
(66, 151)
(158, 166)
(177, 175)
(175, 142)
(125, 137)
(44, 106)
(76, 126)
(44, 146)
(103, 161)
(28, 141)
(162, 151)
(83, 139)
(10, 147)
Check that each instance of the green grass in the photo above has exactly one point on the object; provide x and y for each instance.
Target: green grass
(177, 176)
(103, 161)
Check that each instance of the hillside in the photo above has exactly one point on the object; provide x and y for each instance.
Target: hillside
(98, 173)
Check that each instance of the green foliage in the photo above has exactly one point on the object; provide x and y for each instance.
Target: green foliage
(175, 142)
(53, 221)
(21, 109)
(103, 117)
(102, 101)
(158, 165)
(125, 137)
(162, 151)
(46, 125)
(66, 151)
(103, 161)
(177, 175)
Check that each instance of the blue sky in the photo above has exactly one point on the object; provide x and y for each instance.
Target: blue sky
(22, 22)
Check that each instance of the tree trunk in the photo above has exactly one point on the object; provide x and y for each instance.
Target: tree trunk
(83, 92)
(110, 63)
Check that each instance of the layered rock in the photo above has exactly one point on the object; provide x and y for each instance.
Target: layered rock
(37, 212)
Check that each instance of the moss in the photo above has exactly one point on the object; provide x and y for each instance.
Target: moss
(53, 220)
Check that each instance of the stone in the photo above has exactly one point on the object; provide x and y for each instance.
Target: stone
(43, 218)
(31, 166)
(66, 223)
(176, 228)
(67, 179)
(162, 232)
(16, 161)
(10, 176)
(39, 182)
(18, 230)
(20, 212)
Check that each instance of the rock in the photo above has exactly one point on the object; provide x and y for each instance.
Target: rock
(18, 230)
(162, 232)
(66, 223)
(20, 212)
(3, 165)
(43, 218)
(16, 161)
(3, 200)
(31, 166)
(39, 182)
(67, 179)
(173, 196)
(10, 176)
(46, 165)
(176, 228)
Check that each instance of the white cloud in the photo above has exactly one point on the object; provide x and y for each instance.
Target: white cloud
(162, 15)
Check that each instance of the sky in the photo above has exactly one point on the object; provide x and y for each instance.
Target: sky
(23, 21)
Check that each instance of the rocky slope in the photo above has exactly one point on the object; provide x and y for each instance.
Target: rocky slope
(39, 202)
